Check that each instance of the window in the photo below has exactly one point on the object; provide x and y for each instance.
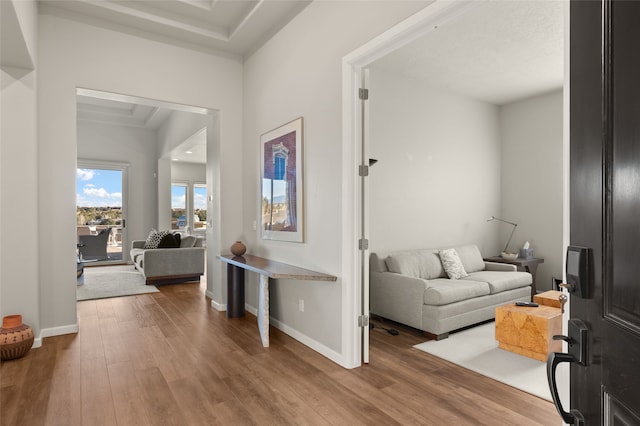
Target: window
(178, 206)
(199, 206)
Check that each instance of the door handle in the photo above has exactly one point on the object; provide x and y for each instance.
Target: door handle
(573, 417)
(577, 343)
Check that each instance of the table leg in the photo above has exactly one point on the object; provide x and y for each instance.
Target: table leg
(235, 291)
(532, 270)
(263, 310)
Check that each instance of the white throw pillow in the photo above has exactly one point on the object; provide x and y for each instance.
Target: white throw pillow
(452, 264)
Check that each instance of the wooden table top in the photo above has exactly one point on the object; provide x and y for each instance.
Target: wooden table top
(540, 311)
(273, 269)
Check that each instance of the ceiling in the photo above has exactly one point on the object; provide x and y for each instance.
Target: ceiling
(497, 52)
(120, 113)
(235, 27)
(112, 109)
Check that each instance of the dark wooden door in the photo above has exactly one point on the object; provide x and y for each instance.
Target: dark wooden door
(605, 205)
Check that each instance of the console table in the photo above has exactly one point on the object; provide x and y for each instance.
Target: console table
(526, 265)
(267, 269)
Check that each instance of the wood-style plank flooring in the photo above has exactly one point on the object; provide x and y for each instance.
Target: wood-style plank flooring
(168, 358)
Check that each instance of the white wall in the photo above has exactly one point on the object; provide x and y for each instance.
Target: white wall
(137, 148)
(19, 211)
(532, 170)
(437, 179)
(298, 73)
(440, 153)
(188, 172)
(179, 127)
(75, 55)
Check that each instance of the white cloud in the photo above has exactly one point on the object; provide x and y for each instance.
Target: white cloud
(200, 201)
(85, 174)
(95, 192)
(178, 202)
(98, 197)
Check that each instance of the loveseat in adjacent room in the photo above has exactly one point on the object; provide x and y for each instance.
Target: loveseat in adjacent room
(412, 287)
(169, 262)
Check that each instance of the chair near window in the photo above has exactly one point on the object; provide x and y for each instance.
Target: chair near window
(95, 246)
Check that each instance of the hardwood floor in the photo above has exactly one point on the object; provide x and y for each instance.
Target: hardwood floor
(168, 358)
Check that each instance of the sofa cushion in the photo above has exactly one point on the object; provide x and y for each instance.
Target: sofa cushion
(499, 281)
(423, 264)
(452, 264)
(188, 241)
(443, 291)
(135, 252)
(471, 258)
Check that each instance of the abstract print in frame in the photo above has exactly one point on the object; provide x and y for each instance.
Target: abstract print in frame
(281, 183)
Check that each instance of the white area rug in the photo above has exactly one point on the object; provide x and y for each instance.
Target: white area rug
(112, 281)
(477, 350)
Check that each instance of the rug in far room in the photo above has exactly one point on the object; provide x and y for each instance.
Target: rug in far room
(476, 349)
(112, 281)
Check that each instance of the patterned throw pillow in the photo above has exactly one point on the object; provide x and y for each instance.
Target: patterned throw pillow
(452, 264)
(170, 241)
(154, 238)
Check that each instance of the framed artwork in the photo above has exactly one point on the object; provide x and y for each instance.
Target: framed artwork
(281, 211)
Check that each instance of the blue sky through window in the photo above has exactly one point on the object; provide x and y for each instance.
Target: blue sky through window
(98, 188)
(178, 196)
(199, 197)
(179, 193)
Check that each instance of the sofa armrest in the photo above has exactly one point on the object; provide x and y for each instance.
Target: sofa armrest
(168, 262)
(397, 297)
(138, 244)
(496, 266)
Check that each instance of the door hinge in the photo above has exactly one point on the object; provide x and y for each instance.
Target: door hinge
(363, 321)
(363, 170)
(363, 244)
(363, 94)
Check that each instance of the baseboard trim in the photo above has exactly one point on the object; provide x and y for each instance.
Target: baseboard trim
(55, 331)
(304, 339)
(252, 310)
(215, 305)
(313, 344)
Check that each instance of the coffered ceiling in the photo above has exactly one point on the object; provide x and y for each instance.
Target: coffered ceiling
(235, 27)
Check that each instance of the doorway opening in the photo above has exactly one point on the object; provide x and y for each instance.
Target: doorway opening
(149, 145)
(360, 65)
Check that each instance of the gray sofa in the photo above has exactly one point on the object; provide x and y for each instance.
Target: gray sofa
(411, 287)
(170, 265)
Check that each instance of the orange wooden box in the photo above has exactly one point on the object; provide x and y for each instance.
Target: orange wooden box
(529, 331)
(548, 298)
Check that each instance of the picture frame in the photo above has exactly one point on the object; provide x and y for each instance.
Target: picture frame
(281, 183)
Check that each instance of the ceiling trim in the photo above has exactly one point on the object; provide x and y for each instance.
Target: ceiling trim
(216, 33)
(246, 19)
(141, 101)
(201, 4)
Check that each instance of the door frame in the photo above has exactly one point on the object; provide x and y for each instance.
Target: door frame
(353, 211)
(353, 68)
(124, 168)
